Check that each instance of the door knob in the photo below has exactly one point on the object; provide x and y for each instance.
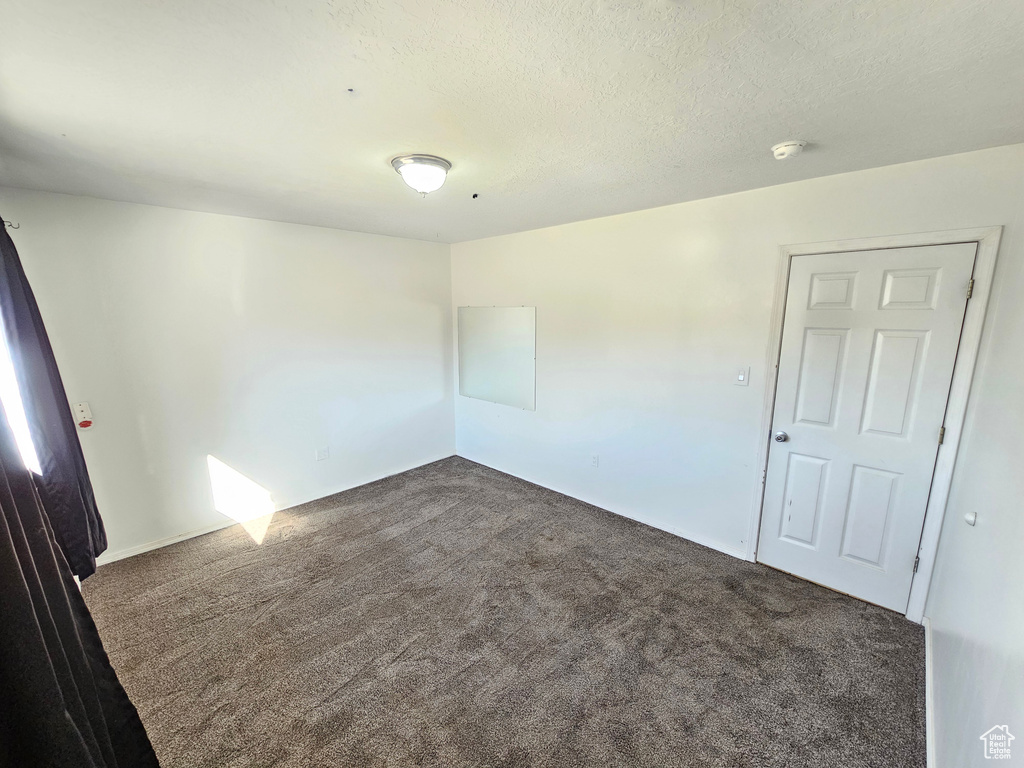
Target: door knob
(781, 437)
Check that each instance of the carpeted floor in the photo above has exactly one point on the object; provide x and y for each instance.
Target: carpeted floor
(456, 616)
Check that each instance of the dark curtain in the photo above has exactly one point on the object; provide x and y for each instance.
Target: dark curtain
(61, 705)
(64, 488)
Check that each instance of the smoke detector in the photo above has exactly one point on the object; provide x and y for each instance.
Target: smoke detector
(788, 149)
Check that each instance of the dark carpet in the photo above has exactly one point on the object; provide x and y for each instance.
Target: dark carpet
(455, 616)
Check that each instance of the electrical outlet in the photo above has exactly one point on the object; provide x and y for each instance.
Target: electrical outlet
(323, 454)
(595, 460)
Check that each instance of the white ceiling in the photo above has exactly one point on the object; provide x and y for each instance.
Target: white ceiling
(552, 111)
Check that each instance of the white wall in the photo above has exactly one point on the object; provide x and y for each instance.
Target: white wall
(253, 341)
(642, 321)
(195, 334)
(976, 602)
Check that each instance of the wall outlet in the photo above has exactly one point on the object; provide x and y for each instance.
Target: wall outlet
(323, 454)
(595, 460)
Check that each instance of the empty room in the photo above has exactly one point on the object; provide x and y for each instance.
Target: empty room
(510, 384)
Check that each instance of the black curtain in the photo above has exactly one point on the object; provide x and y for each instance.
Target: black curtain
(61, 705)
(64, 488)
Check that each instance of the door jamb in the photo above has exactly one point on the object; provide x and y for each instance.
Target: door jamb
(987, 239)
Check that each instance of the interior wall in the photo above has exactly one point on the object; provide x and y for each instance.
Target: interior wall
(255, 342)
(975, 607)
(643, 321)
(258, 342)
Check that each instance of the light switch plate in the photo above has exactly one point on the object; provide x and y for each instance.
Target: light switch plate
(742, 376)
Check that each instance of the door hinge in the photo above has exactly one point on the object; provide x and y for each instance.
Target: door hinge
(942, 434)
(970, 288)
(917, 562)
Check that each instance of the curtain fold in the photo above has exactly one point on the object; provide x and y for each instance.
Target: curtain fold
(64, 488)
(62, 704)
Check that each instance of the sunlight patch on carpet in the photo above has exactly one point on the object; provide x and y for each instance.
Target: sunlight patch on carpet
(243, 500)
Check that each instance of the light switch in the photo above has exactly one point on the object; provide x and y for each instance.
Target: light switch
(742, 377)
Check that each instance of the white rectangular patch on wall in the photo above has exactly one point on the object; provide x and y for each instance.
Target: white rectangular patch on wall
(498, 355)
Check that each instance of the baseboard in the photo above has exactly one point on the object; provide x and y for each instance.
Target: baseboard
(929, 696)
(121, 554)
(737, 552)
(367, 482)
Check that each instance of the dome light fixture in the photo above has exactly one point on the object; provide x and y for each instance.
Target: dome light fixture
(424, 173)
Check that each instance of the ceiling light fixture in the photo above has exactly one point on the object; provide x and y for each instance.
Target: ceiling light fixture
(424, 173)
(788, 149)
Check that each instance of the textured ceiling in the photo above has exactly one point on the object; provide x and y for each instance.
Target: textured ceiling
(551, 111)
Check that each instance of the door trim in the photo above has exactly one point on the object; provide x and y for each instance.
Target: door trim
(987, 239)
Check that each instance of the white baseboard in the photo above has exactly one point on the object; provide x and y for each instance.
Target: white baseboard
(121, 554)
(929, 695)
(737, 552)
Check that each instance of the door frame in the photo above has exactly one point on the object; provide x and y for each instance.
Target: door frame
(987, 239)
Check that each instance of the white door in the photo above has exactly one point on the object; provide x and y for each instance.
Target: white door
(868, 348)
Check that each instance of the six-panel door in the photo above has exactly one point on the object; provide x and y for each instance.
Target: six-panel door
(868, 349)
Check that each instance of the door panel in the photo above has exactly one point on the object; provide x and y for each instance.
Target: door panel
(805, 486)
(868, 349)
(820, 375)
(893, 381)
(832, 290)
(909, 288)
(868, 513)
